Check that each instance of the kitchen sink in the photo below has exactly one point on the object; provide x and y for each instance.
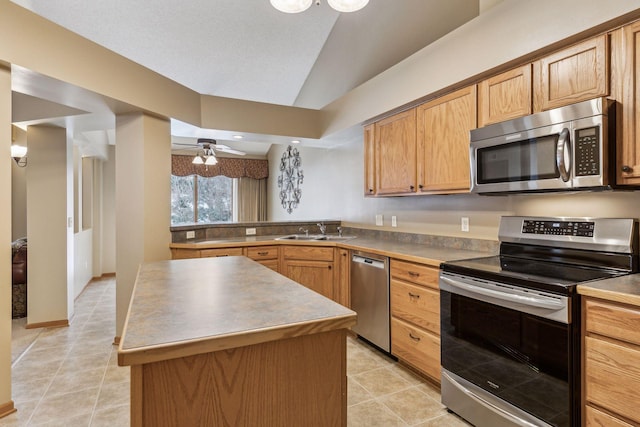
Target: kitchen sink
(301, 237)
(316, 237)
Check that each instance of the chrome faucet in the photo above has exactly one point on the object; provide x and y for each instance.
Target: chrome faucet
(323, 228)
(304, 230)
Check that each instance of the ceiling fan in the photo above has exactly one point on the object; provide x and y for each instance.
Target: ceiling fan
(208, 147)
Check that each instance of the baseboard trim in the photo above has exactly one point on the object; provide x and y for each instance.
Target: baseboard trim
(116, 341)
(104, 276)
(52, 324)
(7, 408)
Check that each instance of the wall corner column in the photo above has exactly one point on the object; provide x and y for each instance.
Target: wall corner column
(6, 404)
(143, 200)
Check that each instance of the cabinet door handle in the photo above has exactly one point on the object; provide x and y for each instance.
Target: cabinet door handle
(263, 253)
(329, 267)
(414, 274)
(627, 169)
(371, 190)
(416, 339)
(412, 295)
(411, 187)
(420, 186)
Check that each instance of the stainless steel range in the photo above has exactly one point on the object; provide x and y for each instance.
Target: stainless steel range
(510, 324)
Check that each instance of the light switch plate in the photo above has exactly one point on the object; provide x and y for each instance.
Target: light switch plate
(250, 231)
(379, 220)
(191, 234)
(394, 221)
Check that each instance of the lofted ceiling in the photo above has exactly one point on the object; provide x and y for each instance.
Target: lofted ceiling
(246, 49)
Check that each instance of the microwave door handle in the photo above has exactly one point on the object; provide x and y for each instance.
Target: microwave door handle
(563, 155)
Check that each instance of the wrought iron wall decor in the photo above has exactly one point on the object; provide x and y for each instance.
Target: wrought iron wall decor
(290, 179)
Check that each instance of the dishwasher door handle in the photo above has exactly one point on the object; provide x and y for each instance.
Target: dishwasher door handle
(368, 261)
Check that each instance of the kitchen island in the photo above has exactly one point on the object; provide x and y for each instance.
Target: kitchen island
(226, 341)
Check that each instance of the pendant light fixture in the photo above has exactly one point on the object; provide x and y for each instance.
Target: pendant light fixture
(297, 6)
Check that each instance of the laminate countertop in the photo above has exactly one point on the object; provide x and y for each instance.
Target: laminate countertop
(407, 251)
(185, 307)
(624, 289)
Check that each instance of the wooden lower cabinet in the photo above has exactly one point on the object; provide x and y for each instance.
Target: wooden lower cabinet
(265, 255)
(416, 346)
(611, 363)
(343, 286)
(312, 267)
(415, 316)
(594, 417)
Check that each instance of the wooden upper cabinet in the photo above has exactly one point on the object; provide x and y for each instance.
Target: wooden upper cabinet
(369, 161)
(505, 96)
(443, 141)
(625, 54)
(395, 153)
(574, 74)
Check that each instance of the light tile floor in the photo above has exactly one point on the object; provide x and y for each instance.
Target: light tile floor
(69, 376)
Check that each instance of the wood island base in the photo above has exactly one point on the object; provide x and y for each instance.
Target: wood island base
(298, 381)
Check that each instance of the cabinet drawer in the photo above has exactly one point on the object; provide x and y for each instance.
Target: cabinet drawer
(177, 253)
(417, 273)
(612, 377)
(308, 252)
(262, 252)
(596, 418)
(416, 304)
(220, 252)
(417, 347)
(612, 320)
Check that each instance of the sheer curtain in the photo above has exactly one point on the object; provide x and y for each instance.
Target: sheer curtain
(252, 199)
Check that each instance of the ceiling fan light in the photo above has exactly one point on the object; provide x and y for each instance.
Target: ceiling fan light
(211, 160)
(347, 5)
(197, 160)
(291, 6)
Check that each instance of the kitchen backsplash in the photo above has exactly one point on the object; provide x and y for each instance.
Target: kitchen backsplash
(448, 242)
(205, 232)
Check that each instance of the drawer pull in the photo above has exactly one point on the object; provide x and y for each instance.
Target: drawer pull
(263, 253)
(412, 295)
(413, 274)
(416, 339)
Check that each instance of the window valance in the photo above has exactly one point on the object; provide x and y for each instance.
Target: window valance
(229, 167)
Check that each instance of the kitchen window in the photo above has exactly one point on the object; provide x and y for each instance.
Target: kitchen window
(197, 199)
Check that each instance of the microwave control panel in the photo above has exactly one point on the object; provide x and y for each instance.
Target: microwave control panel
(559, 228)
(587, 151)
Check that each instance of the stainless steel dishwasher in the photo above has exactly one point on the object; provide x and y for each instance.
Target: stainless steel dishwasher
(370, 297)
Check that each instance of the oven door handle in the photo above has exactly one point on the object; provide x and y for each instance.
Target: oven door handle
(539, 301)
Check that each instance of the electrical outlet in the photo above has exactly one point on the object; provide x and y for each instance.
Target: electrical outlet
(464, 223)
(191, 234)
(379, 220)
(250, 231)
(394, 221)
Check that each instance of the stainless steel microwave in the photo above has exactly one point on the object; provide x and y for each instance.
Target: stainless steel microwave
(567, 148)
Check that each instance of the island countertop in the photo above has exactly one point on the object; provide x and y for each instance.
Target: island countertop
(192, 306)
